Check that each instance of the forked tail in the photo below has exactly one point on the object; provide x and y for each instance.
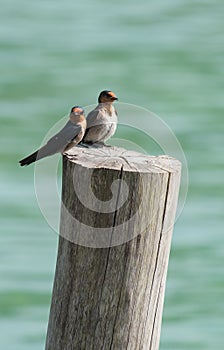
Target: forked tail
(30, 159)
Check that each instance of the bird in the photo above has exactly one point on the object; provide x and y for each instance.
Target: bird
(69, 136)
(102, 120)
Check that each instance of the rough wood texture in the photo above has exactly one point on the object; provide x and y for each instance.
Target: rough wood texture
(112, 297)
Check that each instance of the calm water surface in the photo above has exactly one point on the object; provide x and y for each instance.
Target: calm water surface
(163, 56)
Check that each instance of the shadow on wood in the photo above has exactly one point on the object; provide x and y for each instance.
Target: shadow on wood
(117, 217)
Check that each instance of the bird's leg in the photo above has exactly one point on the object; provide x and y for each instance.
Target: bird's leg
(86, 145)
(100, 144)
(97, 144)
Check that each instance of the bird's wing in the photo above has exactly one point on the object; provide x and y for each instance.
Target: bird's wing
(95, 117)
(59, 141)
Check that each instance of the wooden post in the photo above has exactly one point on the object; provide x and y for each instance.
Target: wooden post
(117, 219)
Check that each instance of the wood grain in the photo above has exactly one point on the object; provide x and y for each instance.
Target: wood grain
(109, 285)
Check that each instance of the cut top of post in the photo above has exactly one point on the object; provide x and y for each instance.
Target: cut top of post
(116, 158)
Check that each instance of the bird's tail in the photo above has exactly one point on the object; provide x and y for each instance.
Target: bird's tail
(30, 159)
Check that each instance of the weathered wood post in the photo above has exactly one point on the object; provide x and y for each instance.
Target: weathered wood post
(117, 217)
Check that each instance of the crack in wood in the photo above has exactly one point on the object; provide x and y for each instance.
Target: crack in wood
(158, 250)
(155, 316)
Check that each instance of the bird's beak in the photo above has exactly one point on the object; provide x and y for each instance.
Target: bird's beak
(114, 98)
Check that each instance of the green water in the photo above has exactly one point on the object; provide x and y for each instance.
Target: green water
(163, 56)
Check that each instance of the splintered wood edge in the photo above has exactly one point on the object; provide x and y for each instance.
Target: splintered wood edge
(116, 158)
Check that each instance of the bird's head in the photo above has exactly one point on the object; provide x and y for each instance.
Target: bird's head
(107, 96)
(77, 110)
(77, 115)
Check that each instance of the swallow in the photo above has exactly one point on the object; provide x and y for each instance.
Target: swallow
(68, 137)
(102, 120)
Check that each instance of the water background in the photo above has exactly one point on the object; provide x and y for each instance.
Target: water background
(164, 56)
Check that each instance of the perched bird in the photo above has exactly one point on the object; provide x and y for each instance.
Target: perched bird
(101, 121)
(68, 137)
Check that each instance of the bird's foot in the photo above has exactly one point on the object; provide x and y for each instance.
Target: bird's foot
(86, 145)
(94, 144)
(101, 144)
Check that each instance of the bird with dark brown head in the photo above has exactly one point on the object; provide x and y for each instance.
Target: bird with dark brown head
(102, 120)
(68, 137)
(107, 96)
